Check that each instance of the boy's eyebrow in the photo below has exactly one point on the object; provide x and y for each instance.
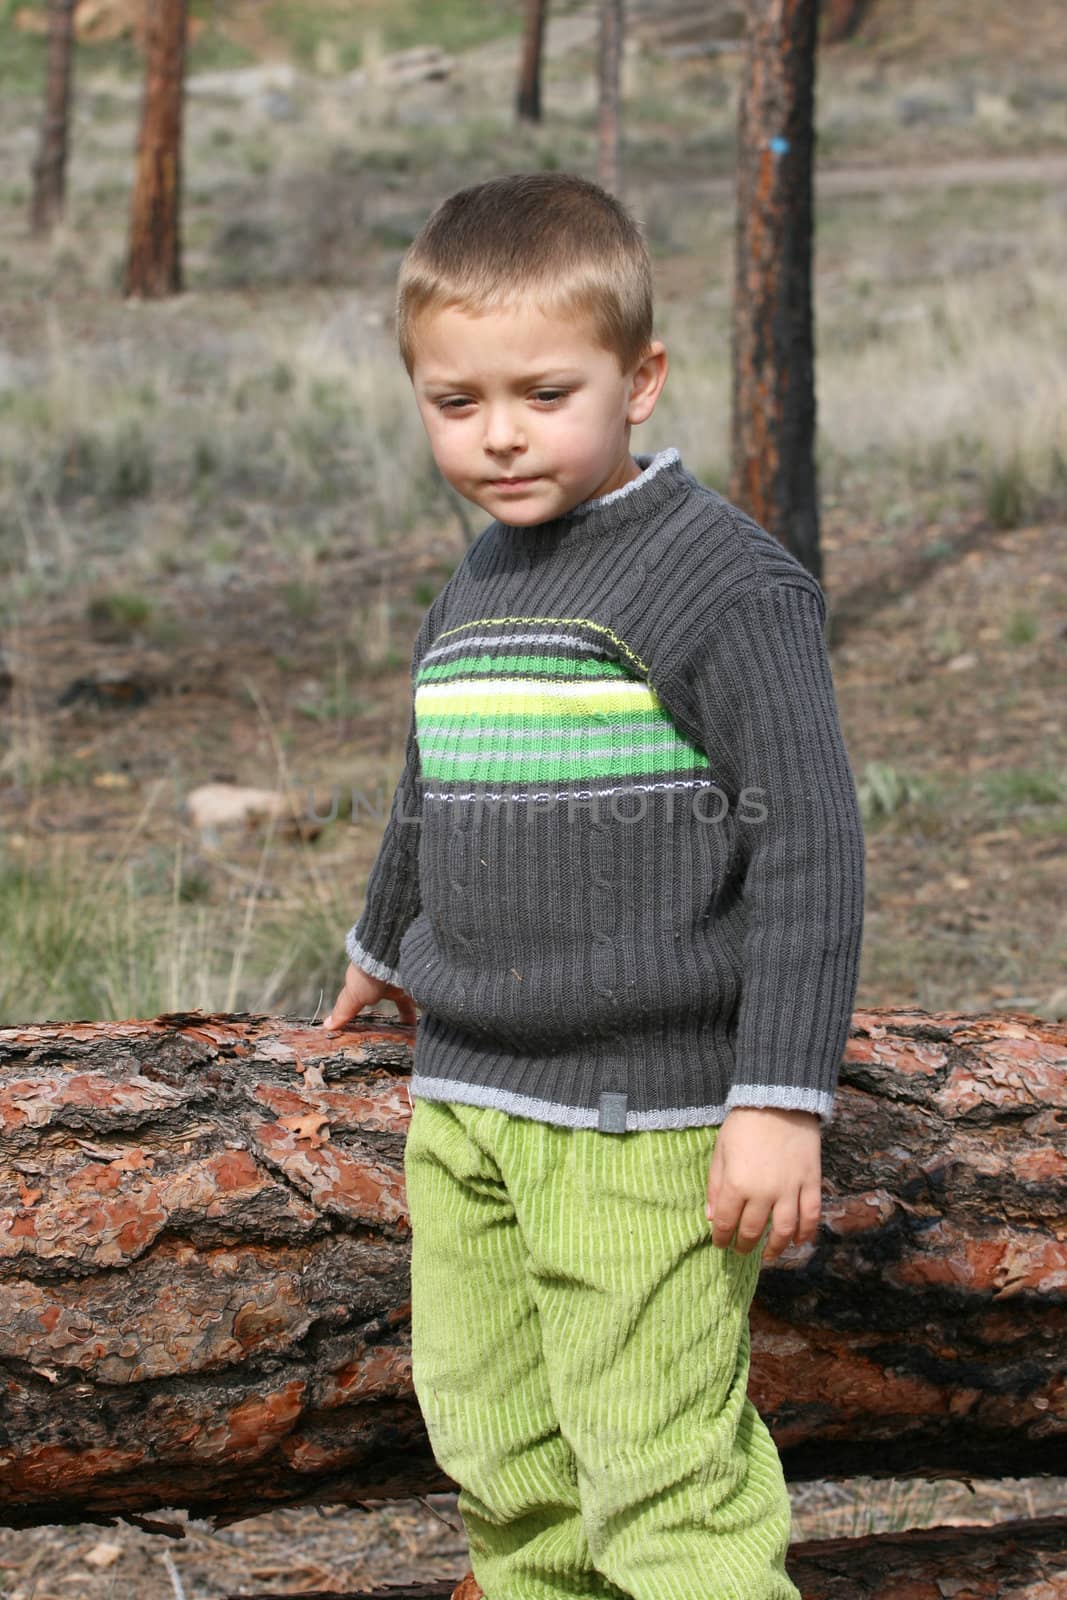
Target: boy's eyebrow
(564, 374)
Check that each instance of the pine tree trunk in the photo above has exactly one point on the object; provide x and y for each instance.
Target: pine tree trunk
(50, 167)
(842, 18)
(609, 161)
(153, 265)
(773, 470)
(528, 98)
(204, 1265)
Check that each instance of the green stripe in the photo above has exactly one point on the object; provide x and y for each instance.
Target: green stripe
(470, 745)
(523, 666)
(567, 769)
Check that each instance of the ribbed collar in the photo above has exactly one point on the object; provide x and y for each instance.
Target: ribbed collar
(662, 479)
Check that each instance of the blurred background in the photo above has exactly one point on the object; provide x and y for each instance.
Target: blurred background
(220, 524)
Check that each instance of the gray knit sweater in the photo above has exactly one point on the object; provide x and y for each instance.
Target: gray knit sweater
(623, 872)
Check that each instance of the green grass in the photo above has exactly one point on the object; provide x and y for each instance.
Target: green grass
(1021, 628)
(301, 599)
(885, 791)
(1015, 788)
(336, 37)
(121, 611)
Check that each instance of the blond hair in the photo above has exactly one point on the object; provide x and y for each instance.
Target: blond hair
(553, 237)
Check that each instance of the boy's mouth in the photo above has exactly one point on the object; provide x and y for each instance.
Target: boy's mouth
(510, 483)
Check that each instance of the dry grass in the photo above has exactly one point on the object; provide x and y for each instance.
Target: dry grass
(930, 378)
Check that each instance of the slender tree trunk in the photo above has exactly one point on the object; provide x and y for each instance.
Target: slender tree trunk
(773, 470)
(609, 166)
(50, 167)
(528, 98)
(153, 264)
(842, 19)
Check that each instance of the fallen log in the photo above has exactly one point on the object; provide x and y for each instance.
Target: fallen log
(204, 1265)
(1026, 1560)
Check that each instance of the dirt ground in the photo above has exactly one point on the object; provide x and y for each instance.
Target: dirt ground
(418, 1540)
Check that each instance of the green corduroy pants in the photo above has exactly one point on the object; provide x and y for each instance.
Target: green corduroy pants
(580, 1354)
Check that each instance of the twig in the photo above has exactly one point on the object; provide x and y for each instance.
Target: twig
(168, 1562)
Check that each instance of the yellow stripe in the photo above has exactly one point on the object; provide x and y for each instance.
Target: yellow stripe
(584, 622)
(498, 695)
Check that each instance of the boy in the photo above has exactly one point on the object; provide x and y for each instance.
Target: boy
(623, 879)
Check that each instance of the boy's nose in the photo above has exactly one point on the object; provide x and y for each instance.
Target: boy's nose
(503, 430)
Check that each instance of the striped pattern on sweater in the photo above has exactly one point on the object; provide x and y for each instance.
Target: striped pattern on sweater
(529, 701)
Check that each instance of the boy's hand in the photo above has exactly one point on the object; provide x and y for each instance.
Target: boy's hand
(360, 990)
(767, 1161)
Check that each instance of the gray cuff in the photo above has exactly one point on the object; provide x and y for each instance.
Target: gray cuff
(785, 1097)
(368, 963)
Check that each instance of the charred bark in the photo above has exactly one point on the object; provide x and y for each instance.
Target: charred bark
(773, 471)
(50, 167)
(204, 1290)
(153, 263)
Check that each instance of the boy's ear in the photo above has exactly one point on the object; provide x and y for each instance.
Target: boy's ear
(647, 382)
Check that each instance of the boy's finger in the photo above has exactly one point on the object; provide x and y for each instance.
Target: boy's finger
(342, 1012)
(780, 1236)
(405, 1006)
(750, 1226)
(724, 1219)
(788, 1226)
(810, 1213)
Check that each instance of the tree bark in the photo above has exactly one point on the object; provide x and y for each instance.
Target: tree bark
(1024, 1559)
(773, 469)
(204, 1282)
(842, 18)
(153, 263)
(50, 167)
(609, 160)
(528, 97)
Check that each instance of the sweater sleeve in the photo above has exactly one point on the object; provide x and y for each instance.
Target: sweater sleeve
(754, 688)
(391, 902)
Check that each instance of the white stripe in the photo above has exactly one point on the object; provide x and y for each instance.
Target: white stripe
(576, 794)
(550, 688)
(513, 638)
(625, 728)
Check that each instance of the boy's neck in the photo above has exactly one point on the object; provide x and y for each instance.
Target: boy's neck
(630, 471)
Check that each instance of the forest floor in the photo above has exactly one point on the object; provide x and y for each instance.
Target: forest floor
(218, 531)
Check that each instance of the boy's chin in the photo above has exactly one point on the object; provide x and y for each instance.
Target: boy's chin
(522, 510)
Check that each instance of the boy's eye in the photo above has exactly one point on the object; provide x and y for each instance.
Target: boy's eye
(457, 402)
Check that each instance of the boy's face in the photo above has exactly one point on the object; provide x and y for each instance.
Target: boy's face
(513, 394)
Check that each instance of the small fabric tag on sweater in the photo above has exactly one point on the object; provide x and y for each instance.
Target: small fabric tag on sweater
(612, 1112)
